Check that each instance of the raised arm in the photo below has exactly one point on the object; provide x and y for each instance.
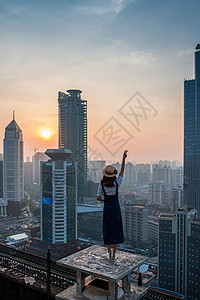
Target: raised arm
(123, 163)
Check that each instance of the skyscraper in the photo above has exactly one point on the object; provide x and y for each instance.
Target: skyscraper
(28, 174)
(59, 198)
(179, 257)
(37, 158)
(1, 178)
(135, 220)
(129, 175)
(159, 193)
(162, 173)
(192, 137)
(143, 173)
(73, 132)
(13, 162)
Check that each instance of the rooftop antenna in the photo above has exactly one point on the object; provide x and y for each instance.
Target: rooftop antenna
(13, 115)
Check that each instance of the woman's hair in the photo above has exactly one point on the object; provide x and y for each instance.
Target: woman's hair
(108, 181)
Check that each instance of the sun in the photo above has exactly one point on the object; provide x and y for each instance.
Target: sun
(46, 133)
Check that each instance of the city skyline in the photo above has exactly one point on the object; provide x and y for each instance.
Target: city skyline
(109, 50)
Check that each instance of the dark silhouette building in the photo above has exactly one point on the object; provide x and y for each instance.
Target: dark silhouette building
(73, 133)
(179, 256)
(192, 137)
(1, 178)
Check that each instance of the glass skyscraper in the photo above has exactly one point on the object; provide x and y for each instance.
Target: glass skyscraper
(178, 255)
(58, 197)
(192, 137)
(73, 133)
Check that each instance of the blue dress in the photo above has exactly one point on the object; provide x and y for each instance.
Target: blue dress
(112, 219)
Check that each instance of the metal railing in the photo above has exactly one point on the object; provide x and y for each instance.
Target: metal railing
(37, 267)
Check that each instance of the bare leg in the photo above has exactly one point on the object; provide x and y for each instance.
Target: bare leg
(109, 248)
(115, 248)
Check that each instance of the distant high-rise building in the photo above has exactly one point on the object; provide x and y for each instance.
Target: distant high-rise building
(36, 160)
(192, 137)
(92, 189)
(1, 178)
(28, 159)
(117, 166)
(179, 256)
(143, 167)
(73, 132)
(164, 163)
(176, 164)
(177, 198)
(3, 202)
(28, 174)
(143, 178)
(177, 177)
(143, 173)
(58, 198)
(153, 231)
(3, 207)
(13, 162)
(135, 220)
(95, 168)
(159, 193)
(160, 172)
(129, 175)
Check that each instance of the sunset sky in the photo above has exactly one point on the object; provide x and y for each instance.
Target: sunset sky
(109, 49)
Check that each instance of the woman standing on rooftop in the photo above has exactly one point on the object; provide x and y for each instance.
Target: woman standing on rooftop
(112, 220)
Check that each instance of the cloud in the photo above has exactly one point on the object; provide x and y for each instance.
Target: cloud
(14, 9)
(185, 52)
(136, 58)
(104, 7)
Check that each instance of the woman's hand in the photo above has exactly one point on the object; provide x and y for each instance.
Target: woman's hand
(125, 154)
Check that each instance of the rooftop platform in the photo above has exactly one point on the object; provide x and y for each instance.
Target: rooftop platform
(93, 262)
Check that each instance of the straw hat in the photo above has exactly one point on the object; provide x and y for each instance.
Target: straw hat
(109, 171)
